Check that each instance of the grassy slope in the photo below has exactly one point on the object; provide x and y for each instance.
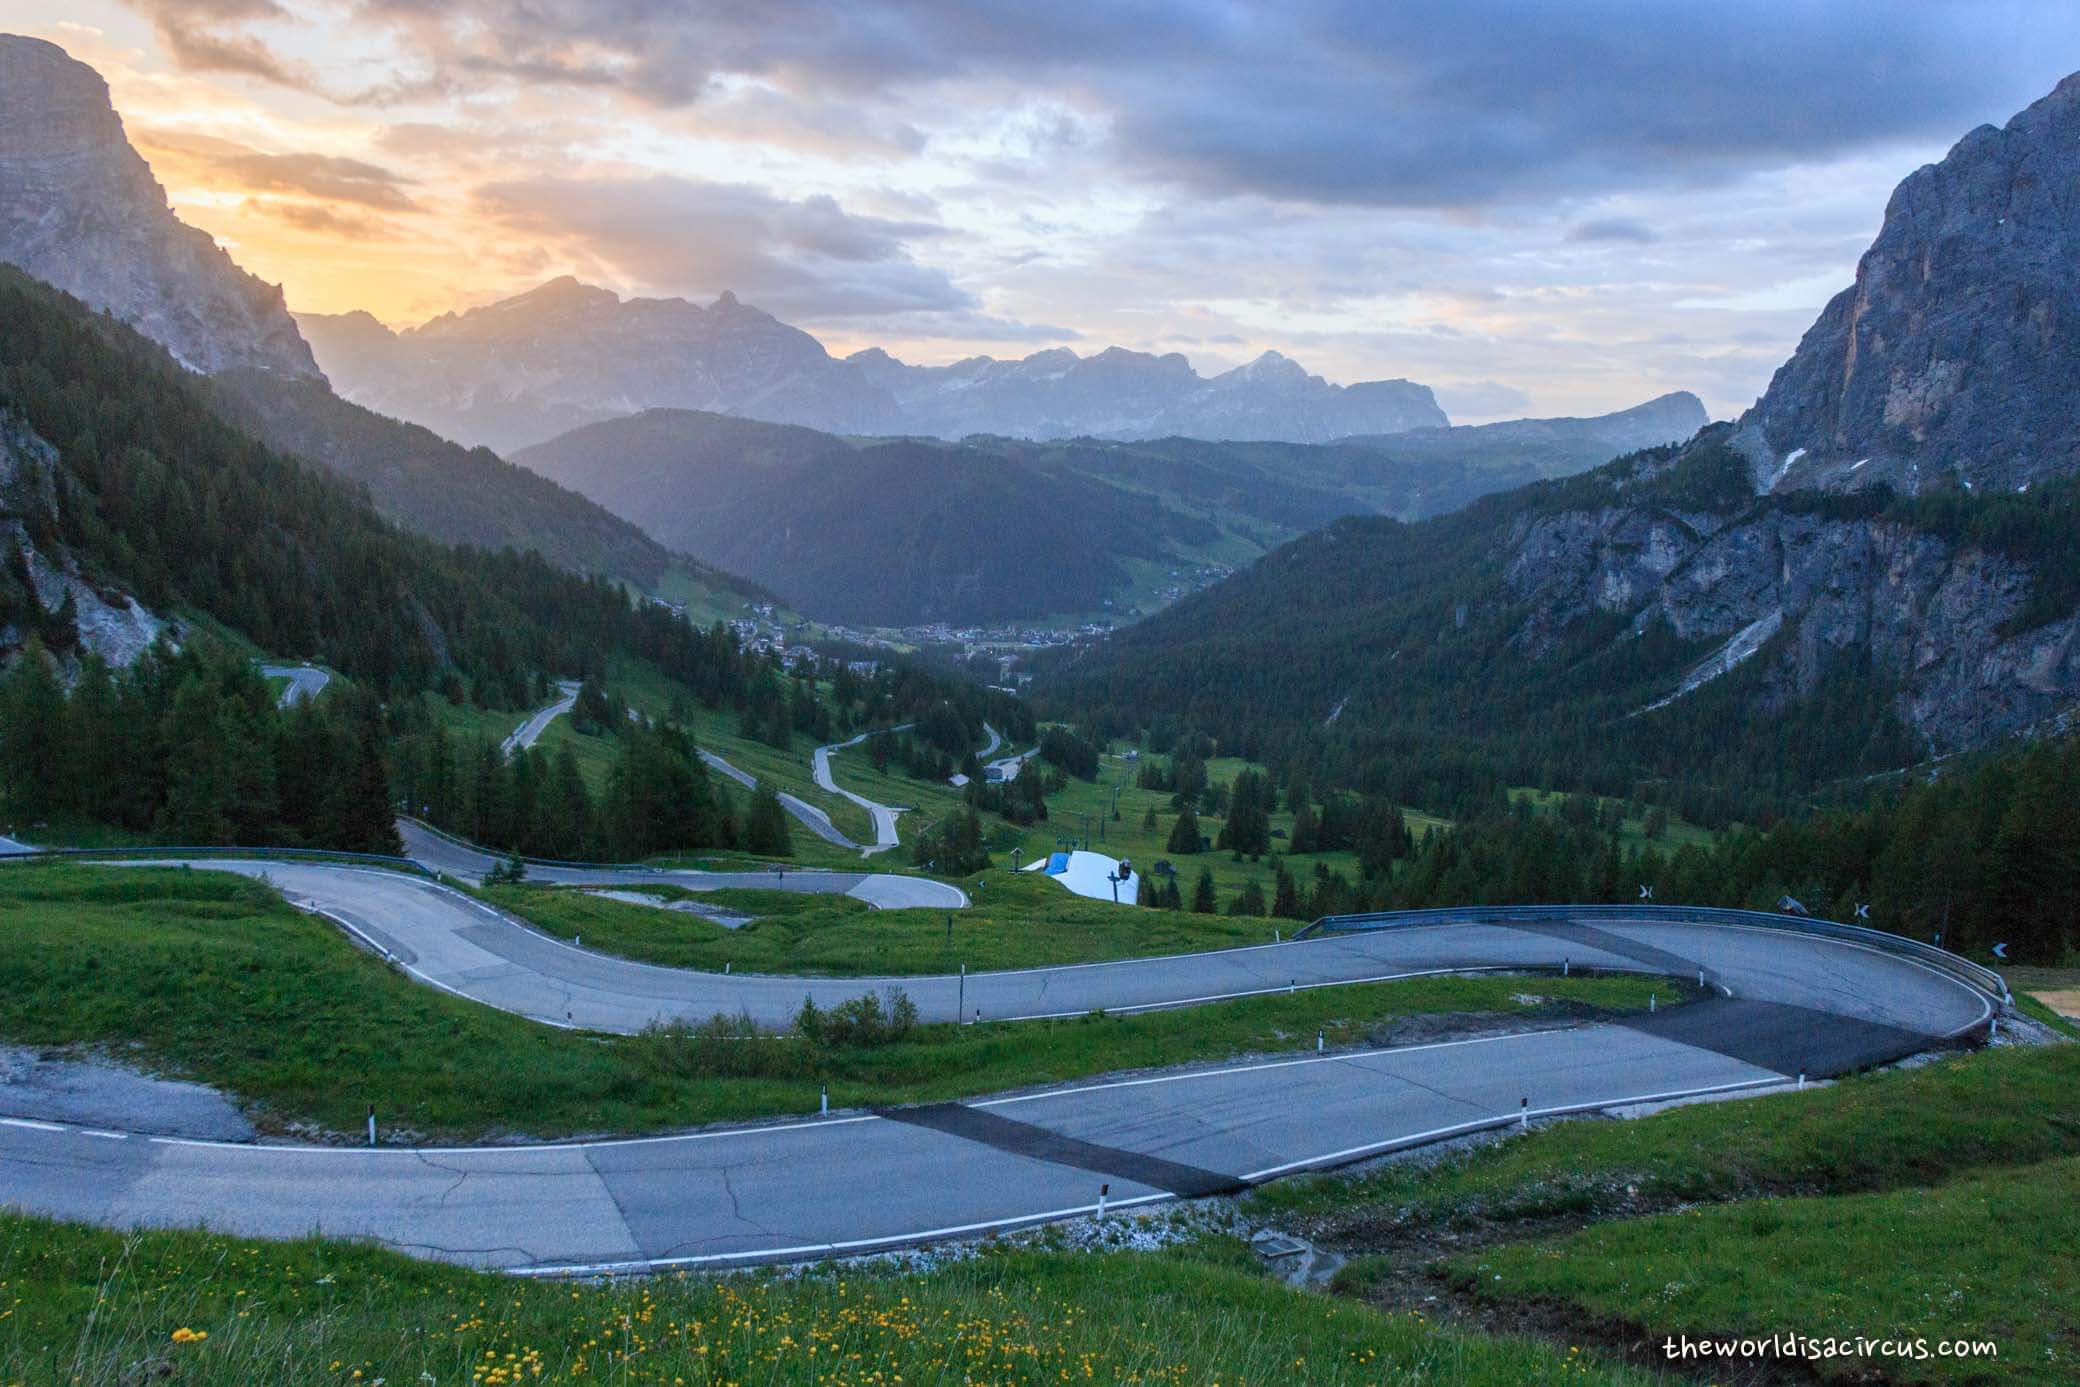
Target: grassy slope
(1937, 1200)
(1879, 1131)
(212, 976)
(1981, 1259)
(87, 1306)
(1127, 838)
(1016, 921)
(1989, 1258)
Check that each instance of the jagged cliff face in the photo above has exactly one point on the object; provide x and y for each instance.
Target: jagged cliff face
(1953, 356)
(567, 354)
(80, 209)
(1132, 395)
(1800, 591)
(1954, 361)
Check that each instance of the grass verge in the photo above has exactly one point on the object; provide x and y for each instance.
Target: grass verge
(94, 1307)
(1882, 1131)
(1989, 1259)
(213, 977)
(1017, 920)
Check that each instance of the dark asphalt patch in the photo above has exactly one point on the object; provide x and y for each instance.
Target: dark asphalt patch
(1660, 960)
(1024, 1139)
(1774, 1035)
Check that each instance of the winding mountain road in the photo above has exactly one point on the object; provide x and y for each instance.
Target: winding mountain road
(812, 818)
(530, 732)
(305, 681)
(1789, 1004)
(884, 817)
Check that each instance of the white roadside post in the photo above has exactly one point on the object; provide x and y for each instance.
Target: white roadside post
(371, 1124)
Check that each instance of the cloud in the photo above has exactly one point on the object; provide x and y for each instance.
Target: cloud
(809, 259)
(1423, 103)
(321, 220)
(328, 177)
(1612, 229)
(205, 36)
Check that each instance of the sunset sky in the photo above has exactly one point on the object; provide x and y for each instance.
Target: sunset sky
(1537, 209)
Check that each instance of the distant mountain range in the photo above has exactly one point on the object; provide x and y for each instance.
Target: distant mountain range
(1130, 395)
(567, 354)
(902, 532)
(1878, 563)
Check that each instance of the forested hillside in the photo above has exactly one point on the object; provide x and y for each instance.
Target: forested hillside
(1557, 636)
(900, 532)
(423, 482)
(121, 480)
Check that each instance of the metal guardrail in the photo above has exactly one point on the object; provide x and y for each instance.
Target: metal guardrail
(1972, 974)
(552, 863)
(153, 851)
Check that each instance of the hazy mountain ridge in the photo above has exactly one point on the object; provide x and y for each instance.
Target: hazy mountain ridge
(1048, 525)
(1658, 618)
(563, 355)
(1125, 394)
(81, 210)
(895, 532)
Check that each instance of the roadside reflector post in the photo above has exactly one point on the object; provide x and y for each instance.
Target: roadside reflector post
(1103, 1190)
(1524, 1113)
(579, 940)
(1293, 985)
(726, 967)
(1566, 967)
(1651, 999)
(1321, 1039)
(1700, 977)
(1801, 1078)
(826, 1098)
(371, 1124)
(1993, 1028)
(960, 1007)
(1278, 936)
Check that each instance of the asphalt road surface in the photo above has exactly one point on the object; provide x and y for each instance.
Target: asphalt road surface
(812, 818)
(305, 681)
(884, 817)
(864, 1181)
(440, 853)
(530, 732)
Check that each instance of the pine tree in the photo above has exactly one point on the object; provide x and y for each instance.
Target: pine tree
(1184, 834)
(368, 820)
(1248, 901)
(1203, 902)
(765, 825)
(1286, 901)
(34, 745)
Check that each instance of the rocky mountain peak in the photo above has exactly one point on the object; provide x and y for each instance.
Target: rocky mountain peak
(80, 209)
(1951, 360)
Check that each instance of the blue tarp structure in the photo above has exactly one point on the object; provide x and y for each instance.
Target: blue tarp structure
(1057, 863)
